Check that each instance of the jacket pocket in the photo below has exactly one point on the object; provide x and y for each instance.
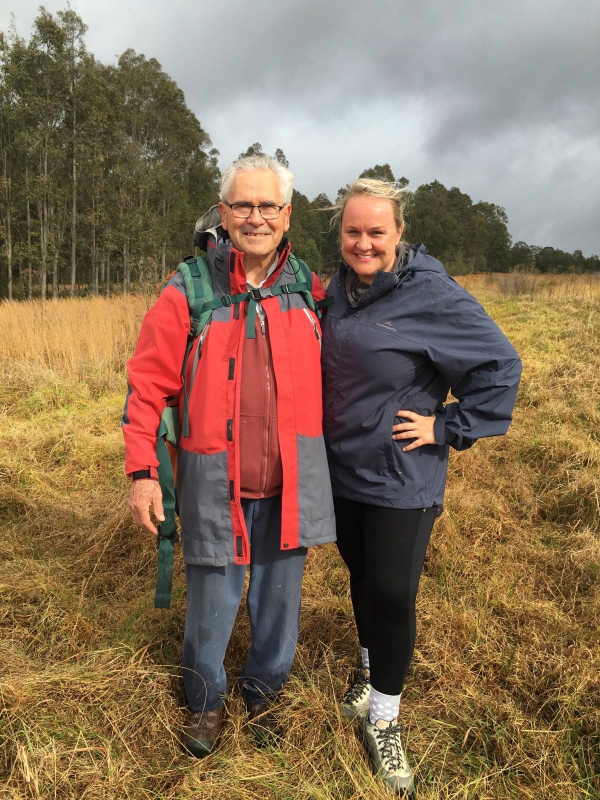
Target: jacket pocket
(393, 461)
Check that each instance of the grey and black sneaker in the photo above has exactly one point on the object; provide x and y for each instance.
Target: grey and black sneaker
(384, 746)
(355, 702)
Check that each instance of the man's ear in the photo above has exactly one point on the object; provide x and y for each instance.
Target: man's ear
(288, 213)
(222, 212)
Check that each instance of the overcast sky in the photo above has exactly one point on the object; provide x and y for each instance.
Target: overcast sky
(501, 99)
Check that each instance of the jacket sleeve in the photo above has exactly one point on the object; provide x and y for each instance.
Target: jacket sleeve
(317, 290)
(154, 373)
(479, 363)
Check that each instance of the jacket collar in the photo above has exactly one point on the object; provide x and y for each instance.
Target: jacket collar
(385, 282)
(226, 259)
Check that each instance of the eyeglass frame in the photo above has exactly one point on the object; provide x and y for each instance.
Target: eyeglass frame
(252, 206)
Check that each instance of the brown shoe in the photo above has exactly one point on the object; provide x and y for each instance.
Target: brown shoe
(263, 724)
(201, 731)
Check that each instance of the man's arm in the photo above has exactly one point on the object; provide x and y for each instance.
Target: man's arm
(154, 374)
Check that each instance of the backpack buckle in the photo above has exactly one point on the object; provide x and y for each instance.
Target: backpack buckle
(261, 294)
(226, 300)
(160, 538)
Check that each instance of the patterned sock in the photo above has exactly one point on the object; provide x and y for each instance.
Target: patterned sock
(364, 653)
(383, 706)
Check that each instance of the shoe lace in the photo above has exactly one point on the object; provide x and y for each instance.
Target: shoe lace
(390, 746)
(355, 692)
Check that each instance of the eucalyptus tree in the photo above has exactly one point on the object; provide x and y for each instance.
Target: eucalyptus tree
(75, 61)
(46, 98)
(7, 121)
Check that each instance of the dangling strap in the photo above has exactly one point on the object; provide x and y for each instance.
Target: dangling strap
(167, 530)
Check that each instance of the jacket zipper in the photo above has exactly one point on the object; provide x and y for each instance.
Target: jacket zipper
(265, 455)
(314, 325)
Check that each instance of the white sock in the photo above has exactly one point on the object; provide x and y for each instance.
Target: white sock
(364, 653)
(383, 706)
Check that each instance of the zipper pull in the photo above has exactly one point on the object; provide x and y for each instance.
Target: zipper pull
(262, 325)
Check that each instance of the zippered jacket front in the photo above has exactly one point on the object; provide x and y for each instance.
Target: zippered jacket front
(413, 336)
(208, 464)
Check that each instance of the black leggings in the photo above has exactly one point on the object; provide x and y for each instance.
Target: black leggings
(384, 549)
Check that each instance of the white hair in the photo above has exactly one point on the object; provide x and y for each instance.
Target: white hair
(286, 176)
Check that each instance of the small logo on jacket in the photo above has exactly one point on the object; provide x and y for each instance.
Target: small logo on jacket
(387, 326)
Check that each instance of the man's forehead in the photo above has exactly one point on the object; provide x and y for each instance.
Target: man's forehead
(259, 185)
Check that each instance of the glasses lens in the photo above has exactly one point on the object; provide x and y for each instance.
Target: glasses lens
(241, 210)
(269, 212)
(244, 210)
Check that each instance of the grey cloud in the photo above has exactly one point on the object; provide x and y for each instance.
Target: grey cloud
(500, 99)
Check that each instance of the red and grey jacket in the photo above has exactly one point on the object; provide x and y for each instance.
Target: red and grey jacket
(208, 462)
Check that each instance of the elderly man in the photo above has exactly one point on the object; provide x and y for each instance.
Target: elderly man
(252, 483)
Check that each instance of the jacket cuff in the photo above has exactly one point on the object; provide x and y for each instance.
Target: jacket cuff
(439, 429)
(147, 473)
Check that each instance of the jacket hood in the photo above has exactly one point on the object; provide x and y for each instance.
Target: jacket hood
(417, 260)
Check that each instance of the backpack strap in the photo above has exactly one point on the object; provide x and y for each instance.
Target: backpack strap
(303, 272)
(198, 286)
(167, 530)
(199, 291)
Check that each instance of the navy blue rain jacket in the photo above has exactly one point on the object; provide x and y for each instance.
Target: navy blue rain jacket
(413, 336)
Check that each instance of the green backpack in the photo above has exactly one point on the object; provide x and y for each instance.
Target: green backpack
(201, 302)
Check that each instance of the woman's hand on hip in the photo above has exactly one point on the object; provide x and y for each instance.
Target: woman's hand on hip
(418, 427)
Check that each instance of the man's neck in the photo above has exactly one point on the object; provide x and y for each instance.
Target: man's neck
(256, 268)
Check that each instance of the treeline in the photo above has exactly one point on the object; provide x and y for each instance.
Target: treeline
(103, 170)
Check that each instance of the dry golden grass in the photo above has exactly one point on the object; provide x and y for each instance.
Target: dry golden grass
(503, 698)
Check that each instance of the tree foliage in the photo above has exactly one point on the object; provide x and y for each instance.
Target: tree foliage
(104, 168)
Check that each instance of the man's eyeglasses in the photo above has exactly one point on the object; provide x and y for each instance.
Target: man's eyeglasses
(244, 210)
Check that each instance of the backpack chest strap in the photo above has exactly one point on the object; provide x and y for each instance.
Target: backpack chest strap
(253, 296)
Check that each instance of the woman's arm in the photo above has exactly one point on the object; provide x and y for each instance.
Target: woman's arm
(481, 366)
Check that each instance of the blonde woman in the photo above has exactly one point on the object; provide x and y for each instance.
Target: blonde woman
(399, 336)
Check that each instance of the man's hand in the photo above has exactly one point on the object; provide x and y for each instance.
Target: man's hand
(142, 495)
(419, 428)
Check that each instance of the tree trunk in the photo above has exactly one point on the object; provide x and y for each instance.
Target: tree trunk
(108, 274)
(125, 269)
(9, 253)
(94, 265)
(29, 270)
(163, 266)
(74, 209)
(55, 259)
(55, 275)
(44, 248)
(8, 223)
(141, 272)
(45, 226)
(93, 248)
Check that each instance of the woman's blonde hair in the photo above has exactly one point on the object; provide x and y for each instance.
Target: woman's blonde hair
(374, 188)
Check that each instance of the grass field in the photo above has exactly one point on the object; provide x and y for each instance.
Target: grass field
(503, 697)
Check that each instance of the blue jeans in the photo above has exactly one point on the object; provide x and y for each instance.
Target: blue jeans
(273, 602)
